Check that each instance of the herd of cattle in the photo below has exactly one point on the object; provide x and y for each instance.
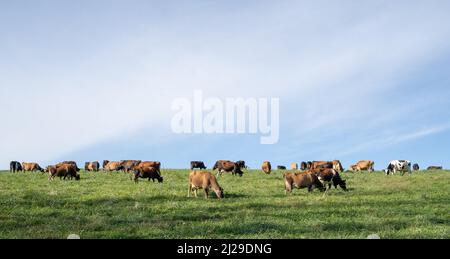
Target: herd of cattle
(310, 175)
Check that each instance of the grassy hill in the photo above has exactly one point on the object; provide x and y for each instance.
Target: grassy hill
(110, 205)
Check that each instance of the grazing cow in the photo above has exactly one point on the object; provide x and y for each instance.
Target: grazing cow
(62, 171)
(266, 167)
(281, 167)
(15, 166)
(30, 167)
(112, 166)
(398, 166)
(128, 165)
(241, 164)
(197, 165)
(154, 164)
(69, 163)
(330, 176)
(227, 166)
(335, 164)
(92, 166)
(363, 165)
(206, 181)
(301, 180)
(416, 167)
(294, 166)
(147, 172)
(434, 168)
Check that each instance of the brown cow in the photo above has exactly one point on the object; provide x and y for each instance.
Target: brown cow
(294, 166)
(301, 180)
(363, 165)
(154, 164)
(227, 166)
(30, 167)
(147, 172)
(62, 171)
(69, 163)
(266, 167)
(206, 181)
(112, 166)
(92, 166)
(128, 165)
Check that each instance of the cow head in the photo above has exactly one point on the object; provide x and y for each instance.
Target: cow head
(77, 177)
(160, 179)
(219, 193)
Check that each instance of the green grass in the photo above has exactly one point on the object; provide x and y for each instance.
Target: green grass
(109, 205)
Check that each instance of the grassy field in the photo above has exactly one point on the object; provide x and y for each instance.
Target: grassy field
(109, 205)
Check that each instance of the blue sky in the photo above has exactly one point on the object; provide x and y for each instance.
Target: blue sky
(94, 80)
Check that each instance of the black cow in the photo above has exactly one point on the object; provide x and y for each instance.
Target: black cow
(15, 166)
(197, 165)
(281, 167)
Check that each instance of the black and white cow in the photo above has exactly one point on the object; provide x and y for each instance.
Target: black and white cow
(401, 166)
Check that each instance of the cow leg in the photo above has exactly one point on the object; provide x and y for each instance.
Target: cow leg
(189, 190)
(287, 188)
(195, 192)
(206, 193)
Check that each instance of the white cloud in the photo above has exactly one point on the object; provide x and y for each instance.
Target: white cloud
(330, 64)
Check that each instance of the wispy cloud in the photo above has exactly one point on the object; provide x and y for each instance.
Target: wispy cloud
(342, 71)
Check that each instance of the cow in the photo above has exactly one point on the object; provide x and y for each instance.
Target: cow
(92, 166)
(330, 176)
(363, 165)
(154, 164)
(335, 164)
(266, 167)
(111, 166)
(416, 167)
(15, 167)
(197, 165)
(227, 166)
(281, 167)
(62, 171)
(206, 181)
(434, 168)
(31, 167)
(301, 180)
(128, 165)
(398, 166)
(241, 164)
(69, 163)
(147, 172)
(294, 166)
